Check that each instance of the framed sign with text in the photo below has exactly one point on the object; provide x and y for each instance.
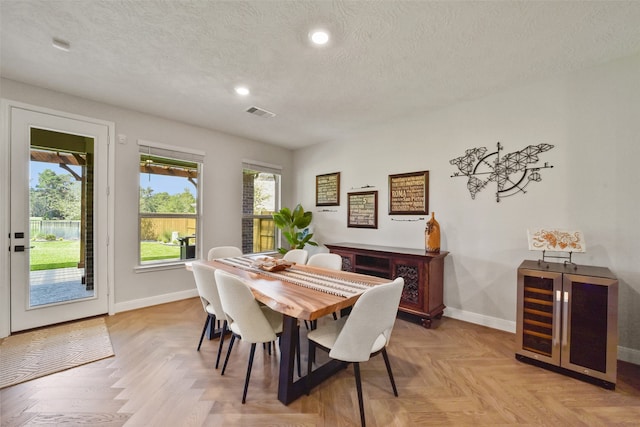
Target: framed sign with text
(409, 193)
(328, 189)
(362, 209)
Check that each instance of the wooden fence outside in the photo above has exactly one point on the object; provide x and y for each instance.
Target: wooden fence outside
(160, 229)
(264, 236)
(40, 228)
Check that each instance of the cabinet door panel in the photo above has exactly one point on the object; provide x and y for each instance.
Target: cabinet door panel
(538, 325)
(588, 325)
(347, 261)
(590, 346)
(413, 291)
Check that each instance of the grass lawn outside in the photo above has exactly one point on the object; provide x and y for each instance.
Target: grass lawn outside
(49, 255)
(154, 251)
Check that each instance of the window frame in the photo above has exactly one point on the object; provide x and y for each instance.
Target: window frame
(176, 153)
(270, 169)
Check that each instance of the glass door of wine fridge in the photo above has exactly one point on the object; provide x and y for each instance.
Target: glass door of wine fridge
(590, 326)
(539, 317)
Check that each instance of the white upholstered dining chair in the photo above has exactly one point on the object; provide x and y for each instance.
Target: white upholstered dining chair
(326, 260)
(299, 256)
(247, 319)
(223, 252)
(208, 291)
(365, 332)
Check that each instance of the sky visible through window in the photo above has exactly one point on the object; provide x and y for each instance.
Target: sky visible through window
(163, 183)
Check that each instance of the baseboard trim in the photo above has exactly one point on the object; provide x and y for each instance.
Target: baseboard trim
(155, 300)
(629, 355)
(481, 319)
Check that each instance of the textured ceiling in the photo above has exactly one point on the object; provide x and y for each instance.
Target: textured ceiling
(386, 59)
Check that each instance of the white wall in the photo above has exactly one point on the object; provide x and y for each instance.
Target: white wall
(222, 187)
(592, 118)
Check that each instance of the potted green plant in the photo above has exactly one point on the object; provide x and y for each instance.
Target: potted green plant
(294, 225)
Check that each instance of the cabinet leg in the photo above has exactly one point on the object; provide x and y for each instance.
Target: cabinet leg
(426, 323)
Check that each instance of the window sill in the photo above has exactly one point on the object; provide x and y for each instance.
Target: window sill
(164, 266)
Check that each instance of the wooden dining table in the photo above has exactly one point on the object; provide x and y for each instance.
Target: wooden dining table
(295, 294)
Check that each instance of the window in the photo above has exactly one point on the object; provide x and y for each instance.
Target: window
(260, 199)
(169, 212)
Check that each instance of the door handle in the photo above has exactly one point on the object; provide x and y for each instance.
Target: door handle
(556, 318)
(565, 318)
(22, 248)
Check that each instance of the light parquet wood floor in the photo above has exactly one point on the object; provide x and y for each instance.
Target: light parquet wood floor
(456, 374)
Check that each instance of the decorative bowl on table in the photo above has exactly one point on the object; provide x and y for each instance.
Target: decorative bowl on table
(272, 264)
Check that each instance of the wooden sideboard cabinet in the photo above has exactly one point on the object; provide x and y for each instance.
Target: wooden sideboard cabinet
(422, 272)
(567, 320)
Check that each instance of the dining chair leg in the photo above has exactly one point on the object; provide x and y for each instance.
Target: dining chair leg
(212, 326)
(386, 362)
(356, 369)
(204, 329)
(226, 359)
(267, 346)
(222, 333)
(246, 381)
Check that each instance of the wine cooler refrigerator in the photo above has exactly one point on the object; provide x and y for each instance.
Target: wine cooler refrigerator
(567, 320)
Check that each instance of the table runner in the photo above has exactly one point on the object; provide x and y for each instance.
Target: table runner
(320, 282)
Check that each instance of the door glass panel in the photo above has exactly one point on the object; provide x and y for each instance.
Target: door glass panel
(589, 325)
(61, 218)
(538, 315)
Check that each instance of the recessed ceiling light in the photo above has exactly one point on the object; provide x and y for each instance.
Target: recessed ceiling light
(242, 90)
(319, 37)
(61, 44)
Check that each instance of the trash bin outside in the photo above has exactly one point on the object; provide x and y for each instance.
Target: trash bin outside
(187, 251)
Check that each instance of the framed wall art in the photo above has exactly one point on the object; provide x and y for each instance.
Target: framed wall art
(328, 189)
(362, 209)
(409, 193)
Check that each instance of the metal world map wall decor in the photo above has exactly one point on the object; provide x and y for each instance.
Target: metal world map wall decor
(512, 172)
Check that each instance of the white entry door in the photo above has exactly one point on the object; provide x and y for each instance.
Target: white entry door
(59, 223)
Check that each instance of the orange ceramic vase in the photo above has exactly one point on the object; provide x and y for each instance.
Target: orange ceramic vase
(432, 235)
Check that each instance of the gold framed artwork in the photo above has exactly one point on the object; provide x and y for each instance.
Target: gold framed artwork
(328, 189)
(362, 209)
(409, 193)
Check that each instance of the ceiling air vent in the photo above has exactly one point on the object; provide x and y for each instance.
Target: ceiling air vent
(260, 112)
